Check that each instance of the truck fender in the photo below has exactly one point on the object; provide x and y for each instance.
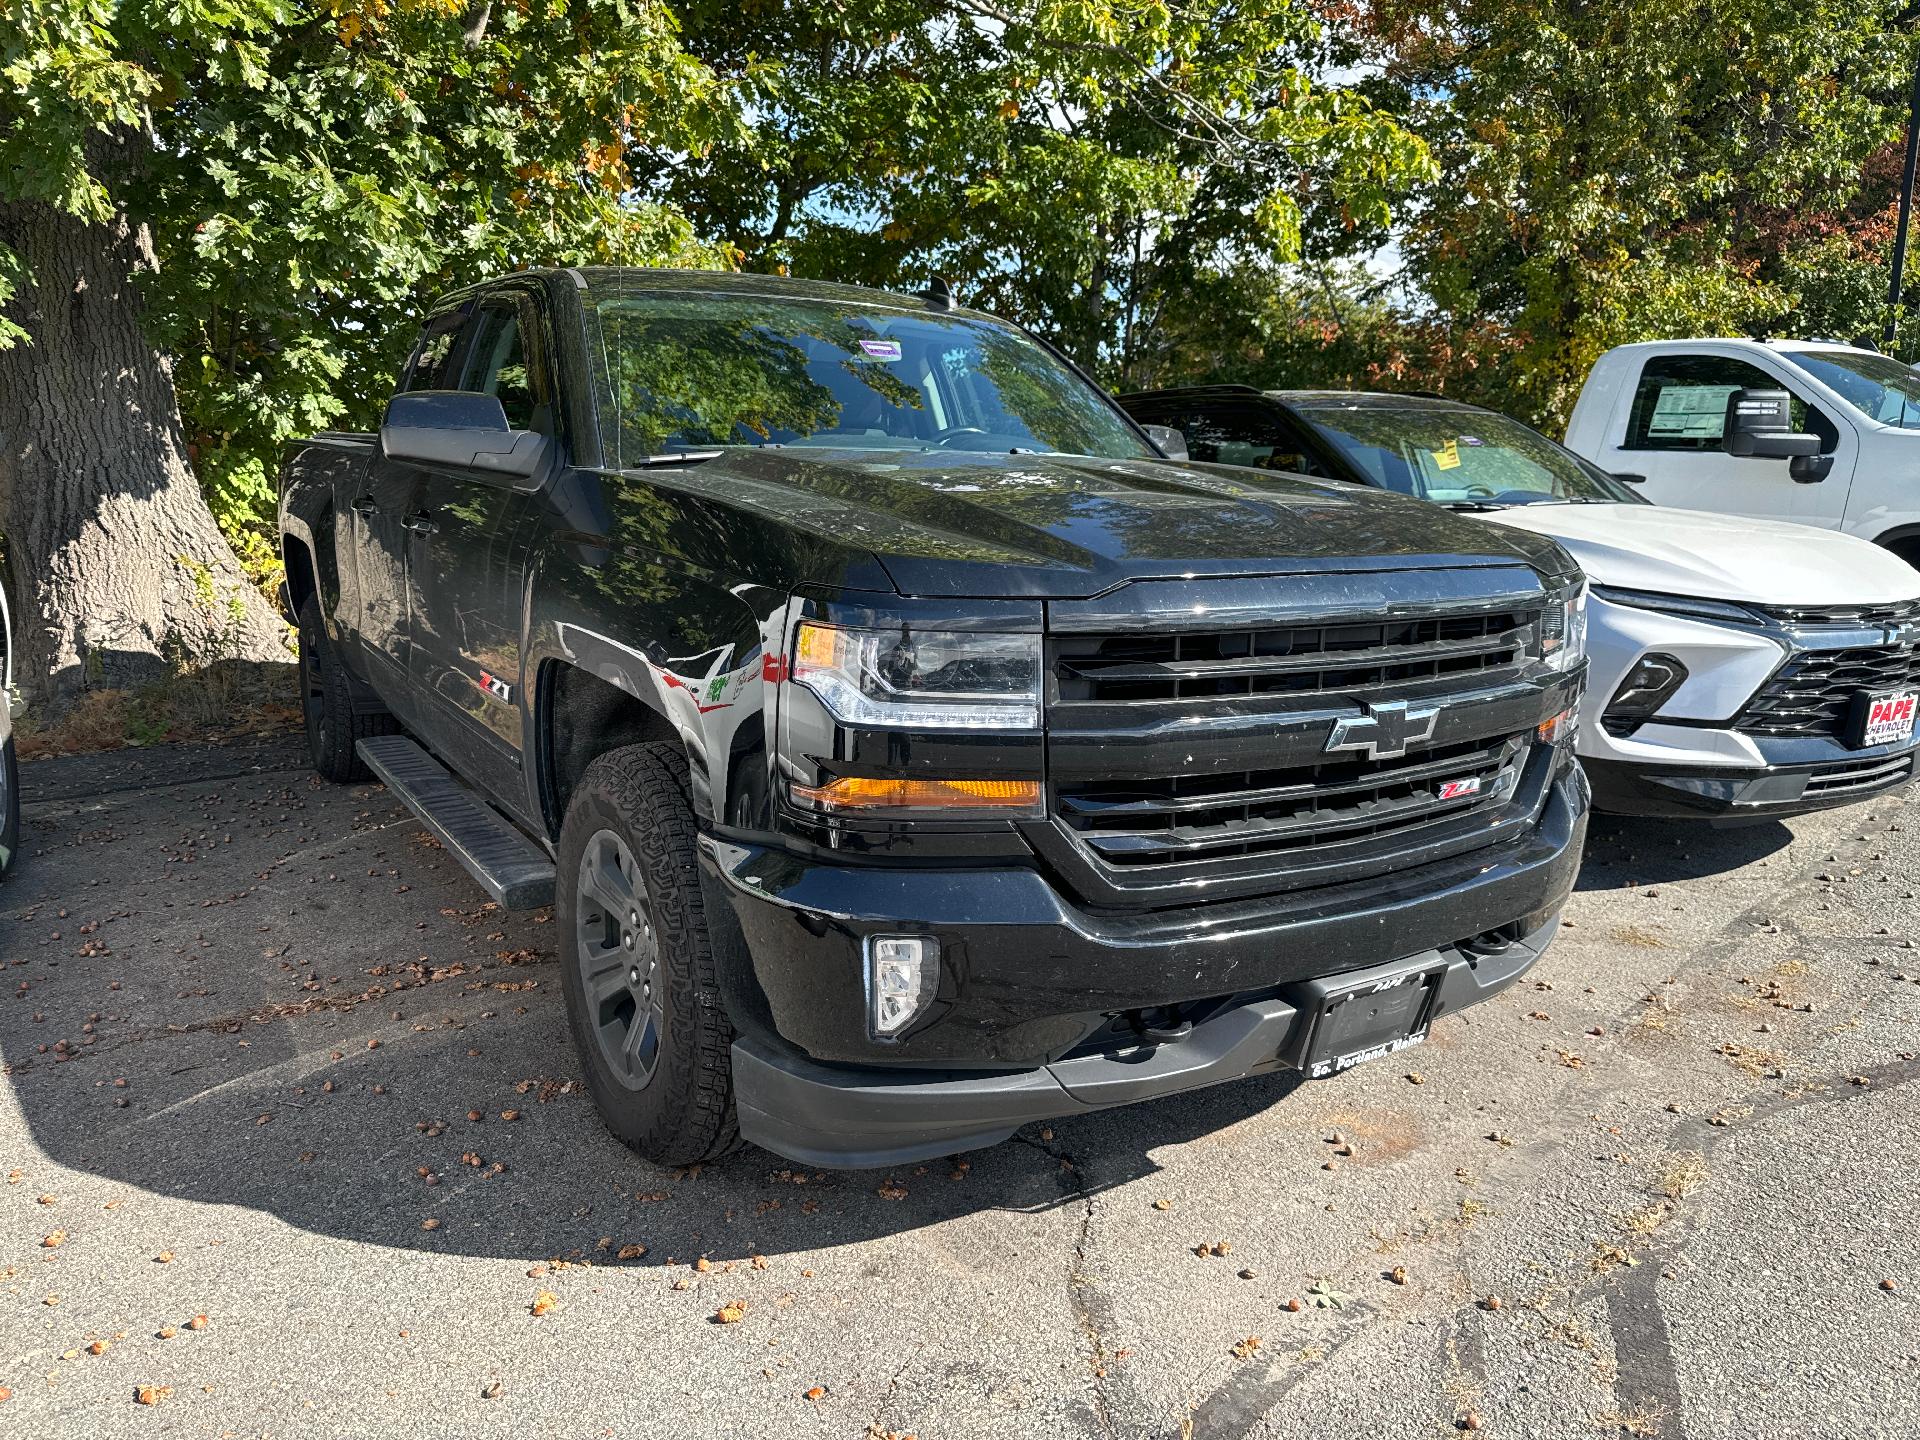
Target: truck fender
(693, 653)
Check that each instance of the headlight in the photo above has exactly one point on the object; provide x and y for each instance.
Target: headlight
(921, 679)
(1563, 628)
(1686, 606)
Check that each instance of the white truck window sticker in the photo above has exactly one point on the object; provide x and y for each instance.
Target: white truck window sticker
(1691, 412)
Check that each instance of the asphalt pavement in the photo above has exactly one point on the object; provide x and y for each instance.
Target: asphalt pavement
(293, 1145)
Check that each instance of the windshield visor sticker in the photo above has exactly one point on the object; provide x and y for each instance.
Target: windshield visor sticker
(880, 349)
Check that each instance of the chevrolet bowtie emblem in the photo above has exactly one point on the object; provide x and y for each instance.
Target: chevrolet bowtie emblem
(1385, 731)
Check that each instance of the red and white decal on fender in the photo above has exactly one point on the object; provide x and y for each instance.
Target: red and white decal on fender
(495, 686)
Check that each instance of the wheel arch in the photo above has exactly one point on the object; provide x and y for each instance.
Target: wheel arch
(1903, 540)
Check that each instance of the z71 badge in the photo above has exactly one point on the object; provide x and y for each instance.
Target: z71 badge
(495, 686)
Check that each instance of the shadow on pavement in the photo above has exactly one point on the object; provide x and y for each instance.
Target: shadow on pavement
(238, 986)
(1625, 851)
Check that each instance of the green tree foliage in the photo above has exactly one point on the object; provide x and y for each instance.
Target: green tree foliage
(311, 169)
(1615, 172)
(1052, 157)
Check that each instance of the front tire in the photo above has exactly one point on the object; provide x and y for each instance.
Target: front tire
(326, 703)
(643, 999)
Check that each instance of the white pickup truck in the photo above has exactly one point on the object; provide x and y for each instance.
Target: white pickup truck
(1654, 414)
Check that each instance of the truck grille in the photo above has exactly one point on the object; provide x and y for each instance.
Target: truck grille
(1375, 659)
(1155, 822)
(1197, 757)
(1812, 693)
(1853, 617)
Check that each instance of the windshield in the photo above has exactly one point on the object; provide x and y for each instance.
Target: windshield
(1879, 387)
(697, 372)
(1461, 457)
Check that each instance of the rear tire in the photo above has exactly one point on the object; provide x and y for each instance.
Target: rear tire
(643, 998)
(326, 703)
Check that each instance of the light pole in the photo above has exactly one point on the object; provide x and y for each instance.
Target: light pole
(1906, 209)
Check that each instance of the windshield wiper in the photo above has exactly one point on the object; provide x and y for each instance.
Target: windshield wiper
(1475, 506)
(675, 457)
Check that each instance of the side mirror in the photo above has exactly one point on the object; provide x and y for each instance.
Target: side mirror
(459, 430)
(1759, 427)
(1810, 469)
(1170, 441)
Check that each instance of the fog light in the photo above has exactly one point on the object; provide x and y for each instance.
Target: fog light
(903, 972)
(1647, 687)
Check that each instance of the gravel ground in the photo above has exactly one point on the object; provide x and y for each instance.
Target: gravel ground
(1659, 1189)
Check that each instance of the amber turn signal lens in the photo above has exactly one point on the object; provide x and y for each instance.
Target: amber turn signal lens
(852, 792)
(1558, 728)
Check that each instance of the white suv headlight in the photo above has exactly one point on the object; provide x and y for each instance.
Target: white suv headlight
(1563, 628)
(921, 679)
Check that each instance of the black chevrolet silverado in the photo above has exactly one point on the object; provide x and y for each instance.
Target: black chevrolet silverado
(910, 750)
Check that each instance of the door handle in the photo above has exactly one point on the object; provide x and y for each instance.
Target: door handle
(364, 506)
(420, 522)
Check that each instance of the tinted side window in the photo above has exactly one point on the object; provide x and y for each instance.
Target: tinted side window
(1681, 403)
(1242, 434)
(497, 363)
(428, 367)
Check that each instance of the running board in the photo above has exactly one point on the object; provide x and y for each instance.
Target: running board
(514, 870)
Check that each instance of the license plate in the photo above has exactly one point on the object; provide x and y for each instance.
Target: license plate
(1885, 719)
(1367, 1021)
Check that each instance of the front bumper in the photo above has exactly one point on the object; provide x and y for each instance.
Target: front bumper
(1025, 1024)
(1734, 794)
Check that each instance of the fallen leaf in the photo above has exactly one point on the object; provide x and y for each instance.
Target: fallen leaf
(165, 1257)
(731, 1313)
(54, 1240)
(630, 1252)
(98, 1347)
(151, 1394)
(545, 1301)
(1163, 1204)
(815, 1392)
(1245, 1348)
(198, 1322)
(1398, 1275)
(492, 1390)
(430, 1223)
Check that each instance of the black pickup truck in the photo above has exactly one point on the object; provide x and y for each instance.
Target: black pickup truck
(911, 750)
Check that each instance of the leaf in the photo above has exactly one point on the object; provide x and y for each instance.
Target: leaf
(544, 1303)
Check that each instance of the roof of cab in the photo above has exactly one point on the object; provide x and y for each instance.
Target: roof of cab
(639, 280)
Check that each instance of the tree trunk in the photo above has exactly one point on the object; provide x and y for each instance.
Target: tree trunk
(118, 571)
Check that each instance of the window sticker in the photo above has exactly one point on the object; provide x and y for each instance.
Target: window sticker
(1447, 457)
(880, 349)
(1473, 440)
(1691, 412)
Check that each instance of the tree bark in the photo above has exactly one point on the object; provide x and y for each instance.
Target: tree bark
(119, 572)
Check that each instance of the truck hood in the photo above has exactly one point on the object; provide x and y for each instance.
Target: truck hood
(946, 524)
(1718, 557)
